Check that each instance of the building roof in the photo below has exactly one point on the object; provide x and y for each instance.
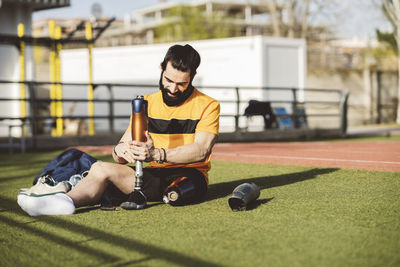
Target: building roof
(256, 7)
(38, 4)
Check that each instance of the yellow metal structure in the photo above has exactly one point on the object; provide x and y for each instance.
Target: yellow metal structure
(21, 33)
(90, 87)
(53, 74)
(58, 88)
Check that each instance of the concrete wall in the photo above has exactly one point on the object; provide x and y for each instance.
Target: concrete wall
(10, 16)
(363, 88)
(245, 61)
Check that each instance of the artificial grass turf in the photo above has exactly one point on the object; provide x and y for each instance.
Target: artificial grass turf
(304, 217)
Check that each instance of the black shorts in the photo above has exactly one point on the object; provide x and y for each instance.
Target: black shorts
(156, 181)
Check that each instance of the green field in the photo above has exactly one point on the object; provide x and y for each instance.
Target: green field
(304, 217)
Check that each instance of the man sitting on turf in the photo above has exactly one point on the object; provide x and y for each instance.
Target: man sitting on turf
(183, 128)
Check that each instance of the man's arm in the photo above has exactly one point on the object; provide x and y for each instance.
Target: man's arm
(130, 151)
(118, 152)
(198, 151)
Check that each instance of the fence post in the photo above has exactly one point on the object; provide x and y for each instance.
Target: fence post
(22, 95)
(343, 112)
(111, 108)
(10, 138)
(53, 75)
(32, 109)
(90, 87)
(237, 109)
(379, 96)
(58, 86)
(294, 108)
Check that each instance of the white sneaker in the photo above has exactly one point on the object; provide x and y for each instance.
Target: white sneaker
(50, 204)
(42, 188)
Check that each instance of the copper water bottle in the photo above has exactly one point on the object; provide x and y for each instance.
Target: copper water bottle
(181, 191)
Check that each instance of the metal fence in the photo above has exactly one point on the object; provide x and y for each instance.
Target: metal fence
(237, 99)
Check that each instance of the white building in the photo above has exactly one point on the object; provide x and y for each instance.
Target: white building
(233, 62)
(12, 13)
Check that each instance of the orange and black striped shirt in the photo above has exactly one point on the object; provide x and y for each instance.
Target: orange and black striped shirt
(170, 127)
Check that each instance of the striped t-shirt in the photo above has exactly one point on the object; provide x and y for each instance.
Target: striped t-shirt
(170, 127)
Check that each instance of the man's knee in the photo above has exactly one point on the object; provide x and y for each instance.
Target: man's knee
(99, 170)
(105, 171)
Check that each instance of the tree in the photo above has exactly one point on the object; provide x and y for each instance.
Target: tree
(392, 11)
(292, 18)
(275, 15)
(387, 38)
(288, 18)
(190, 23)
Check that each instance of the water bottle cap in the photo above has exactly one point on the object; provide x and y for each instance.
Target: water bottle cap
(173, 196)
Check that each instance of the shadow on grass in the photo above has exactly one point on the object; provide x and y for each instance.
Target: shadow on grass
(150, 251)
(253, 205)
(19, 160)
(26, 161)
(106, 257)
(221, 190)
(22, 177)
(111, 208)
(86, 209)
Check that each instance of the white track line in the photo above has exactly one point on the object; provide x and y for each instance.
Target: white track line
(303, 158)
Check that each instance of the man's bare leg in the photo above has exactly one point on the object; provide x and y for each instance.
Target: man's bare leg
(87, 192)
(90, 189)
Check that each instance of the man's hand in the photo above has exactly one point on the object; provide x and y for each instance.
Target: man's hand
(144, 151)
(123, 150)
(134, 150)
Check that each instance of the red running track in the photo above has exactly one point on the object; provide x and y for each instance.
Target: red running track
(379, 155)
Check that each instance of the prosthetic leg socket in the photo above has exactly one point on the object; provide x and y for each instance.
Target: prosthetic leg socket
(139, 125)
(243, 195)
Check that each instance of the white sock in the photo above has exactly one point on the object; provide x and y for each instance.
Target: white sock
(55, 204)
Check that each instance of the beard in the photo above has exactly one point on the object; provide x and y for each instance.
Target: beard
(179, 97)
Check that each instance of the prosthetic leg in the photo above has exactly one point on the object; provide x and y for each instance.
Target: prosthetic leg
(137, 200)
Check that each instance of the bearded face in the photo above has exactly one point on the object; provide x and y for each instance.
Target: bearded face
(175, 85)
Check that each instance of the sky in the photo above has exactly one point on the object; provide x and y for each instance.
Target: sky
(358, 18)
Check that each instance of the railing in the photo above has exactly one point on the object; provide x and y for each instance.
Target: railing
(235, 98)
(294, 103)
